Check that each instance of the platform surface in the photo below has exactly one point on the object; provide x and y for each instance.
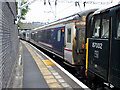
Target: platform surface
(40, 72)
(32, 77)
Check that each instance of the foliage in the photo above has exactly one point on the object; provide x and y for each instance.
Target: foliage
(24, 10)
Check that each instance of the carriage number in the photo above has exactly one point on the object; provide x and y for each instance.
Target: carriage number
(97, 45)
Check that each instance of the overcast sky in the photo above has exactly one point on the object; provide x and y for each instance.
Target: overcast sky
(45, 13)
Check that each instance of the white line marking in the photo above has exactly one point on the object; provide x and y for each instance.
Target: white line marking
(56, 73)
(65, 85)
(58, 76)
(61, 80)
(66, 72)
(20, 58)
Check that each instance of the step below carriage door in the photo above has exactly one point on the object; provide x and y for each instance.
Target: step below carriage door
(68, 42)
(98, 51)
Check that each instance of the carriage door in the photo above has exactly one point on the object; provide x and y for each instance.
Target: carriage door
(58, 41)
(98, 51)
(115, 51)
(68, 42)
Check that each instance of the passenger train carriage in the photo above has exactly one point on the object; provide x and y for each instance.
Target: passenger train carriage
(64, 38)
(25, 35)
(103, 45)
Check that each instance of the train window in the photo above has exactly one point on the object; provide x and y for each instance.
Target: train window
(48, 35)
(39, 35)
(118, 30)
(59, 35)
(96, 28)
(69, 35)
(42, 35)
(32, 35)
(105, 27)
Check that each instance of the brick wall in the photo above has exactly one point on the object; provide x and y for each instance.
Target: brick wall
(8, 43)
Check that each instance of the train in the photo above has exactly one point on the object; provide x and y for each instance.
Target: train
(89, 40)
(103, 45)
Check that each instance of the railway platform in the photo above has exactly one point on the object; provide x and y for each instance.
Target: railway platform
(40, 71)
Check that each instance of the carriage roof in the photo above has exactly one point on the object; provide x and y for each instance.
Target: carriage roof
(108, 7)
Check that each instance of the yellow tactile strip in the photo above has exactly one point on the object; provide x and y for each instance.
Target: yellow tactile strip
(51, 81)
(48, 62)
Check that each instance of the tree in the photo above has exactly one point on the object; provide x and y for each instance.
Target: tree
(24, 10)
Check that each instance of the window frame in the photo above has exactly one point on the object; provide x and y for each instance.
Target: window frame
(108, 18)
(93, 26)
(118, 24)
(70, 35)
(101, 28)
(59, 35)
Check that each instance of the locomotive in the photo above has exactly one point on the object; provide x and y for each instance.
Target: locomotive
(103, 45)
(89, 40)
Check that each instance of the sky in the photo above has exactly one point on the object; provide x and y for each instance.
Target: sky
(45, 13)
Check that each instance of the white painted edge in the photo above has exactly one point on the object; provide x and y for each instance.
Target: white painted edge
(65, 71)
(20, 58)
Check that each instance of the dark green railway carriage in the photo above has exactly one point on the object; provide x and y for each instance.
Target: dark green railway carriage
(103, 45)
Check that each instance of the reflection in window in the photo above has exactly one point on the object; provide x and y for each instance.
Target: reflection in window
(69, 35)
(59, 35)
(105, 28)
(96, 28)
(118, 32)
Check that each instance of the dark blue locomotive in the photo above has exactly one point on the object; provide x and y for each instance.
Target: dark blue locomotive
(103, 45)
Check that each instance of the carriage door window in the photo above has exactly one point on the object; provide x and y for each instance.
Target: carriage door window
(118, 29)
(69, 35)
(105, 27)
(96, 31)
(59, 35)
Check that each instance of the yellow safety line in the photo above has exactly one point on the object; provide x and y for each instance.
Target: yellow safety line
(49, 78)
(48, 62)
